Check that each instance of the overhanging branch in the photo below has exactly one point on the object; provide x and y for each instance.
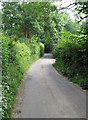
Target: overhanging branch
(67, 7)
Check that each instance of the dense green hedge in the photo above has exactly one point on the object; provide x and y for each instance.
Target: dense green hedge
(17, 56)
(41, 49)
(0, 79)
(71, 55)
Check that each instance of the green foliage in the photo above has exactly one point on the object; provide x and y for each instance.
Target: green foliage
(72, 27)
(84, 27)
(0, 17)
(41, 49)
(22, 55)
(17, 56)
(82, 8)
(28, 18)
(27, 24)
(71, 58)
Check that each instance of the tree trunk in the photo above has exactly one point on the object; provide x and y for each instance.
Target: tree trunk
(30, 38)
(27, 35)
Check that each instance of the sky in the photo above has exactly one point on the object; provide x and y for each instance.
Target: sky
(65, 3)
(0, 6)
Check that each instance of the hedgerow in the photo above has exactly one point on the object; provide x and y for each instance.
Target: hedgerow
(71, 55)
(41, 49)
(17, 56)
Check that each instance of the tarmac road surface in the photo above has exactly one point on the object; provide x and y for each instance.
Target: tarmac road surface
(48, 94)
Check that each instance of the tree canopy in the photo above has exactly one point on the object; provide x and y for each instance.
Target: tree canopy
(41, 19)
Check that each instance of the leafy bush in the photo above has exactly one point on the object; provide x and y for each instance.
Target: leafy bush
(22, 55)
(41, 49)
(17, 56)
(72, 58)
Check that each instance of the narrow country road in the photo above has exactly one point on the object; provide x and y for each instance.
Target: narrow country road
(48, 94)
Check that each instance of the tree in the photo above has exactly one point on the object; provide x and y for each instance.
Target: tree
(84, 27)
(9, 16)
(82, 8)
(29, 18)
(73, 27)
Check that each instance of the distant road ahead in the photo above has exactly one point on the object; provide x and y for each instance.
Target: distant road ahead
(47, 94)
